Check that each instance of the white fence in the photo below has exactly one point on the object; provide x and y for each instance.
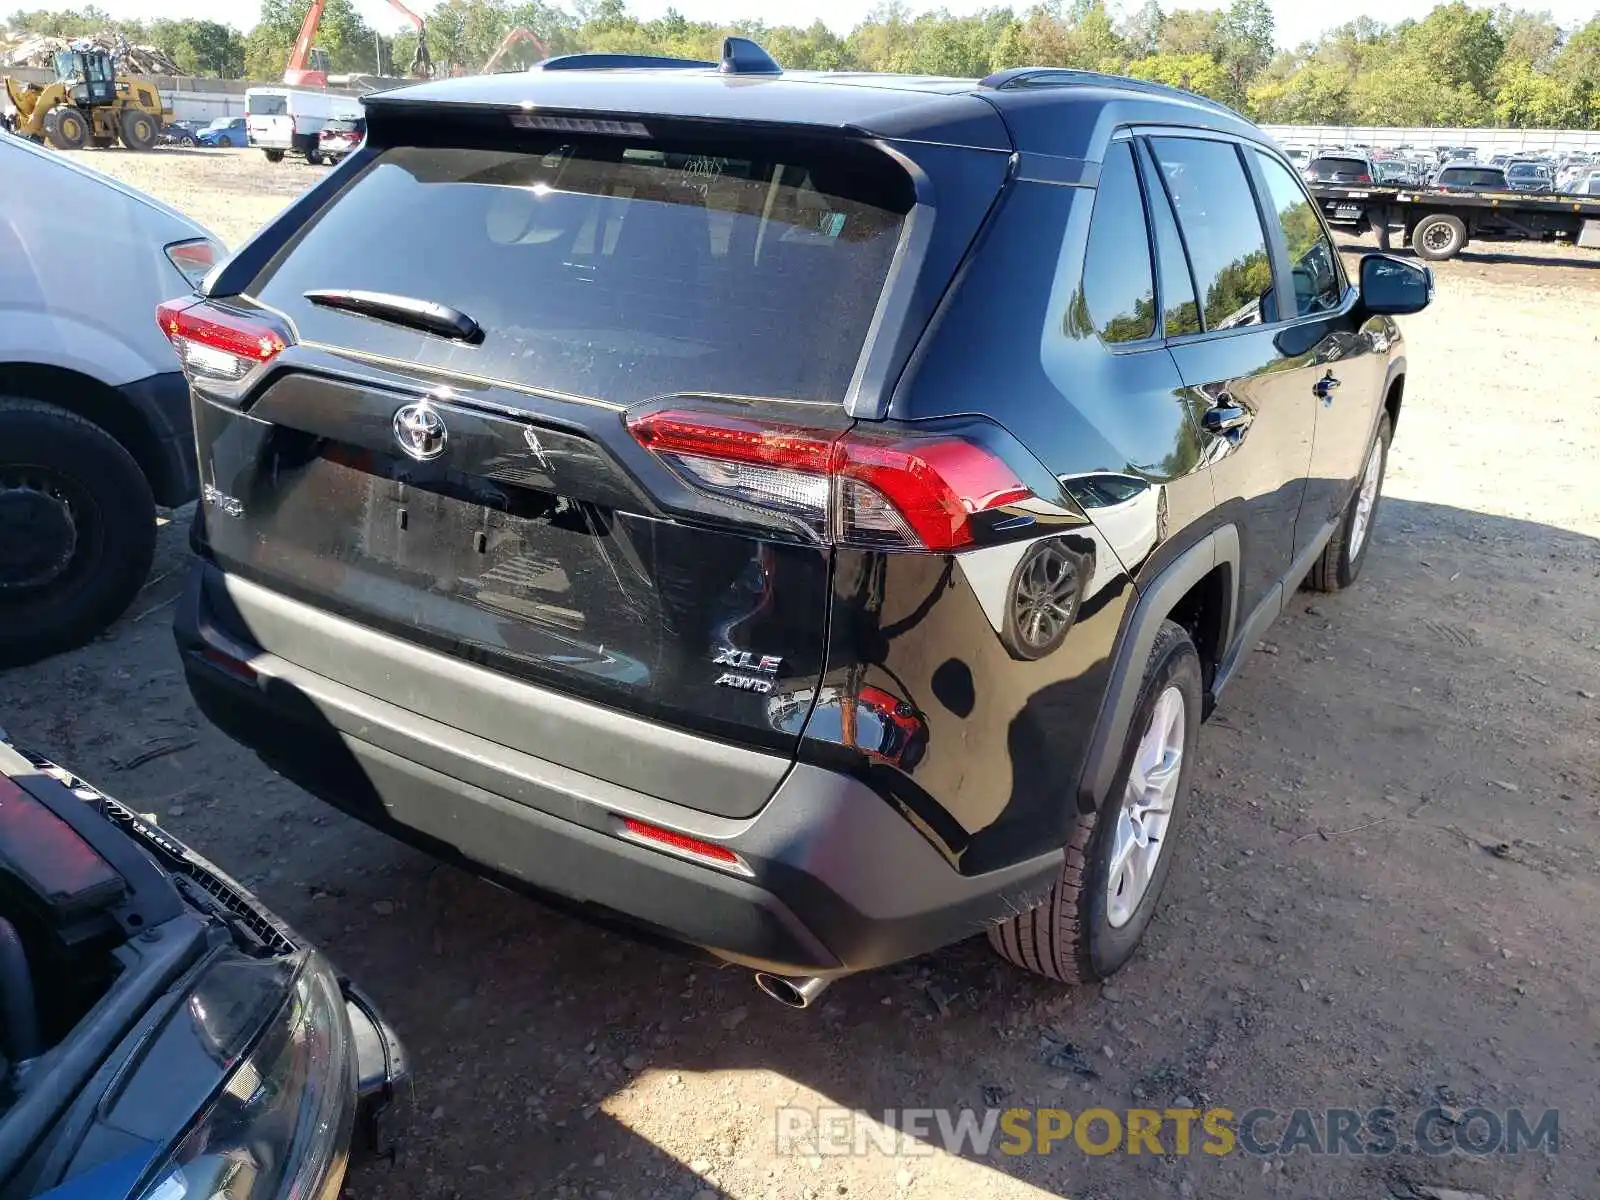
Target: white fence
(1488, 141)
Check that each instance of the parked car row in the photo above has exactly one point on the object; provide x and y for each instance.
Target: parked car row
(223, 131)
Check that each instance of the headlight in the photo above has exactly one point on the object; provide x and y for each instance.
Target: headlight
(280, 1127)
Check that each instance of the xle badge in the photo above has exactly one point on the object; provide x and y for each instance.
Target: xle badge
(743, 660)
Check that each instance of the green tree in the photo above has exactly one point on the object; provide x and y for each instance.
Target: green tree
(1141, 32)
(342, 34)
(1316, 93)
(201, 47)
(1577, 67)
(1190, 31)
(1457, 44)
(1245, 42)
(1530, 37)
(1193, 72)
(1528, 99)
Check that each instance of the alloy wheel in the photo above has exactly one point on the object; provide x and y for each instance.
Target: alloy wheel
(1145, 813)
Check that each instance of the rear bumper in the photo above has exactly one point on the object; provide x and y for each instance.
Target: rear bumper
(836, 880)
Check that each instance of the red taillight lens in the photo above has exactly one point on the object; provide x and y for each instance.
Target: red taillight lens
(221, 351)
(883, 490)
(1363, 178)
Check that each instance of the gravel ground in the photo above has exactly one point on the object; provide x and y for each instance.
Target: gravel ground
(1388, 896)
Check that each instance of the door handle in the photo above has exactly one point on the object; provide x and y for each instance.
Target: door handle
(1226, 418)
(1324, 388)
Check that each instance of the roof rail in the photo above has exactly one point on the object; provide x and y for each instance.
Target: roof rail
(1018, 78)
(614, 62)
(741, 56)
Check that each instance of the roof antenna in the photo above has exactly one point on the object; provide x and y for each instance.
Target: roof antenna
(741, 56)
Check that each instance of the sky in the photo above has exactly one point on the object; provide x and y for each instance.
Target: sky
(1297, 20)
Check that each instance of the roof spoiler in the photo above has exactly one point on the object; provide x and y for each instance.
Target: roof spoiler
(740, 56)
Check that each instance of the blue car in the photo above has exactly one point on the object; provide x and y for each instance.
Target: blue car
(224, 131)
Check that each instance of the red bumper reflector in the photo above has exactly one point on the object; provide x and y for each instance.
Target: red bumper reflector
(238, 668)
(682, 842)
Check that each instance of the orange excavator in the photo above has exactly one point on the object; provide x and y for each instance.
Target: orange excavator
(519, 34)
(308, 67)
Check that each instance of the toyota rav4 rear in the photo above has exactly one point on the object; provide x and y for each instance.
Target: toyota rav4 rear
(533, 490)
(667, 490)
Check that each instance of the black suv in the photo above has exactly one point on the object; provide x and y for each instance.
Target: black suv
(804, 515)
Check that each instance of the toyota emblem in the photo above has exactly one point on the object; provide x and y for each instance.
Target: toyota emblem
(420, 430)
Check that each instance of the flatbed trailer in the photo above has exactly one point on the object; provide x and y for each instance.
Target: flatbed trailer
(1438, 224)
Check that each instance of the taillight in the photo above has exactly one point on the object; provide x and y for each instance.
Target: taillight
(877, 489)
(222, 352)
(1363, 178)
(194, 260)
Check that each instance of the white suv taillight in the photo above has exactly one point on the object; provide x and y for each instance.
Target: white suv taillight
(864, 487)
(193, 259)
(222, 352)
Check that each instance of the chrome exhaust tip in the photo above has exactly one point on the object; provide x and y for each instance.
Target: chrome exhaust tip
(796, 993)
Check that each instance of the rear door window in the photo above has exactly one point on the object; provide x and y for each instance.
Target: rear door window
(1118, 282)
(613, 271)
(1180, 314)
(1318, 286)
(1216, 209)
(266, 106)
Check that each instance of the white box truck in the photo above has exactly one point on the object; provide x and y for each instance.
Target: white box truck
(285, 120)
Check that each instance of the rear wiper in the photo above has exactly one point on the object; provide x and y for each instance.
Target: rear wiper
(425, 315)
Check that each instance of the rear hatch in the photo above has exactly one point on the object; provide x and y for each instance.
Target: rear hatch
(267, 121)
(475, 478)
(1331, 169)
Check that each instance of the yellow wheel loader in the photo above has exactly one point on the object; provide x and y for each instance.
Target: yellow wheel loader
(88, 105)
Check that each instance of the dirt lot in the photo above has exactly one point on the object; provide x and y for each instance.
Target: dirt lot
(1388, 899)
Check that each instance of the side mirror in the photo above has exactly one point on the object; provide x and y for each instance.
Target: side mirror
(1394, 286)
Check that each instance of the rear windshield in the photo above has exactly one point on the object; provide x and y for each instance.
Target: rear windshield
(343, 126)
(610, 270)
(1330, 166)
(266, 106)
(1473, 176)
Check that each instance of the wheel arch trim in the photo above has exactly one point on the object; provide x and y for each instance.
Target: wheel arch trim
(1157, 599)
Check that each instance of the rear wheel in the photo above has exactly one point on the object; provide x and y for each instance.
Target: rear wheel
(77, 530)
(139, 129)
(66, 129)
(1345, 552)
(274, 156)
(1439, 236)
(1118, 859)
(314, 157)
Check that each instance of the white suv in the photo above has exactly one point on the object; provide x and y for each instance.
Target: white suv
(95, 428)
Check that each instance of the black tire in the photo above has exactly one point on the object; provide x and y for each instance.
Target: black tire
(66, 129)
(314, 157)
(274, 156)
(1069, 936)
(57, 467)
(1338, 568)
(138, 128)
(1439, 236)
